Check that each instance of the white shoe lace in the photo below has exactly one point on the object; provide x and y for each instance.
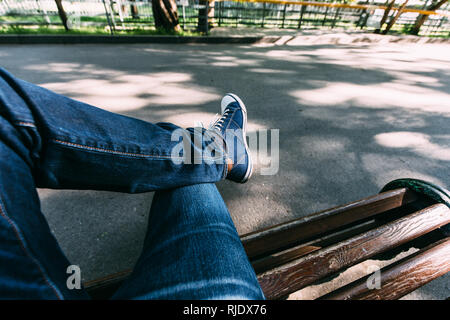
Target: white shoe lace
(218, 121)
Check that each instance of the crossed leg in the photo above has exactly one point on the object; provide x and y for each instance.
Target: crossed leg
(47, 140)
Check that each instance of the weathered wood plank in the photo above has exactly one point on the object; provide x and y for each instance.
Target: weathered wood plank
(402, 277)
(301, 272)
(285, 234)
(278, 258)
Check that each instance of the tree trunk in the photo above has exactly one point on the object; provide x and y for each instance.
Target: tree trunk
(166, 15)
(385, 15)
(62, 14)
(134, 10)
(202, 15)
(423, 17)
(393, 20)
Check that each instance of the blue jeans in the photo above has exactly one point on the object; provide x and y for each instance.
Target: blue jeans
(191, 250)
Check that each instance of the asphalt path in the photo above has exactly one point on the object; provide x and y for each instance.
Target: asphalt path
(351, 117)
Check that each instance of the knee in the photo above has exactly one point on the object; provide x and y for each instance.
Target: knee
(190, 207)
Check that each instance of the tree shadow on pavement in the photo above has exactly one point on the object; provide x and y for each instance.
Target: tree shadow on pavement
(351, 118)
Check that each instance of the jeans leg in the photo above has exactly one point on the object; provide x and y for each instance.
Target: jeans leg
(47, 140)
(32, 265)
(73, 145)
(191, 251)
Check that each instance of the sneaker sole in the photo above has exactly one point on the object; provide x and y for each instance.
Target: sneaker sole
(225, 102)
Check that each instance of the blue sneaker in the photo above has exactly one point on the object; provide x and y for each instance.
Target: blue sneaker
(232, 127)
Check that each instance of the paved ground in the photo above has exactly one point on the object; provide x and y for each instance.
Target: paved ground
(351, 117)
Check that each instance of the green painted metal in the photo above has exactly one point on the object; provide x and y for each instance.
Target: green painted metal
(429, 190)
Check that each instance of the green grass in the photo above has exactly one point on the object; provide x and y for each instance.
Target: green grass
(54, 30)
(93, 25)
(26, 18)
(12, 29)
(98, 25)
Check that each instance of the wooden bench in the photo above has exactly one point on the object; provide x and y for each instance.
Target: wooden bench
(293, 255)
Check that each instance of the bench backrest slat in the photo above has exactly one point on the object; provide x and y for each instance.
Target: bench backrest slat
(282, 235)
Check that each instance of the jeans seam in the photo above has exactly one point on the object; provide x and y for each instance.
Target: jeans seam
(225, 171)
(131, 154)
(23, 246)
(122, 153)
(224, 157)
(26, 124)
(225, 167)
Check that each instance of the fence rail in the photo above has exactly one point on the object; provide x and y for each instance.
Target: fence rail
(118, 15)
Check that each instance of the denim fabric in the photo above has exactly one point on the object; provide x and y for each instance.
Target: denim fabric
(191, 251)
(48, 140)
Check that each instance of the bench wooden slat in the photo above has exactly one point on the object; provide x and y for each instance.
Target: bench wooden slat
(278, 258)
(280, 236)
(401, 277)
(294, 254)
(281, 281)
